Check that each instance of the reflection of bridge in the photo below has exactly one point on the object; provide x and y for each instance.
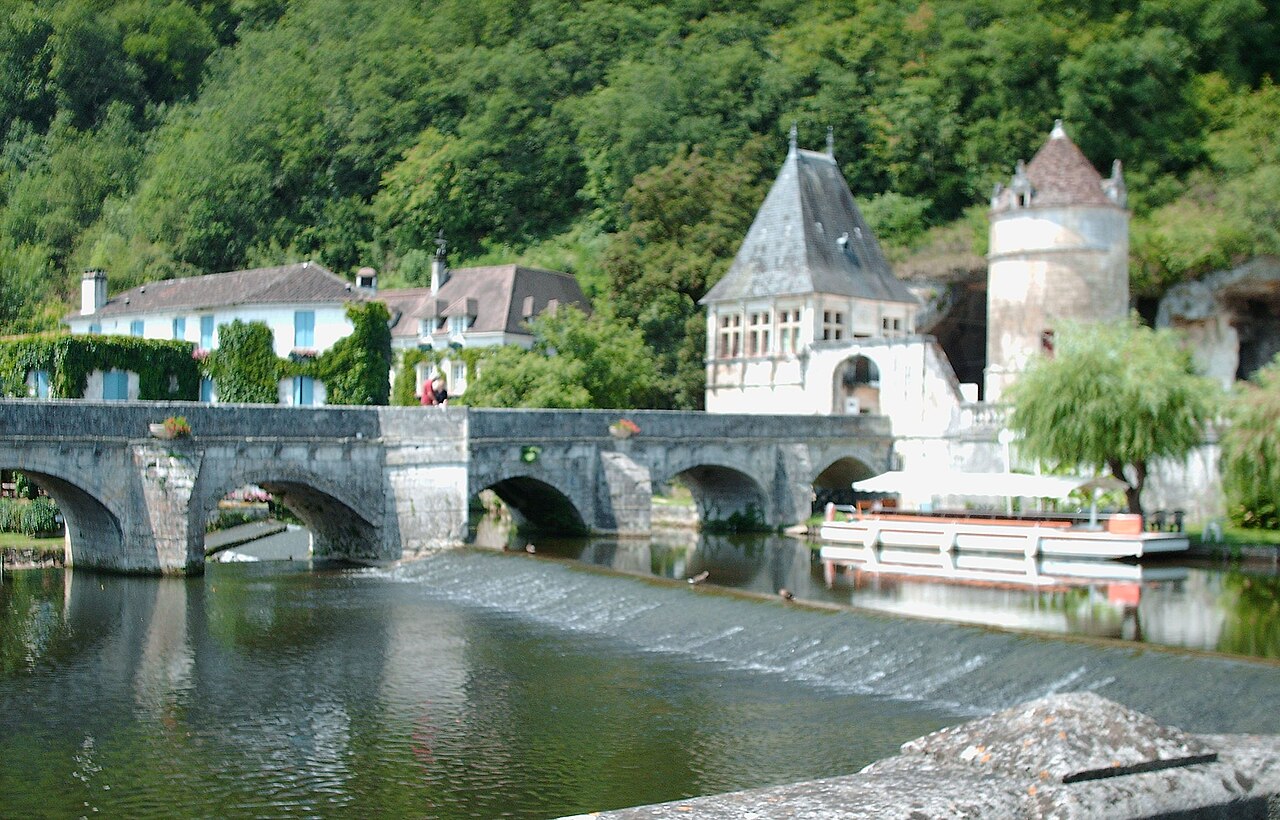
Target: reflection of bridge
(380, 483)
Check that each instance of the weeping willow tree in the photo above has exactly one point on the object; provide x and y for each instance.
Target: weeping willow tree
(1251, 450)
(1113, 396)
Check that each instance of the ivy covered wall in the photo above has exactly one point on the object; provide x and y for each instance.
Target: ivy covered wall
(356, 370)
(166, 369)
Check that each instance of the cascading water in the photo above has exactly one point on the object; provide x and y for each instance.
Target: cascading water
(965, 669)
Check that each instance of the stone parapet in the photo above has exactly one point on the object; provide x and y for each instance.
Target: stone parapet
(1071, 755)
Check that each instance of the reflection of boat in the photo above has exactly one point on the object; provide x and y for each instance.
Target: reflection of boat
(946, 544)
(993, 569)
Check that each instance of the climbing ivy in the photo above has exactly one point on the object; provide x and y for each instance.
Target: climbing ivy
(357, 369)
(166, 369)
(245, 366)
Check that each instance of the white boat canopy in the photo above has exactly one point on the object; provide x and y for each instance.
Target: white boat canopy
(1012, 485)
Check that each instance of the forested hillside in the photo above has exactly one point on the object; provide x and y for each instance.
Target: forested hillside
(625, 142)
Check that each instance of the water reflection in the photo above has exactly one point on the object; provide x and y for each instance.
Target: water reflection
(278, 690)
(1215, 608)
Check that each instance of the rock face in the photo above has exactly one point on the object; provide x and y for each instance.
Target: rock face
(1230, 319)
(1070, 755)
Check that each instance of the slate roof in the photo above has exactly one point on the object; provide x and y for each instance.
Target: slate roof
(497, 294)
(1061, 174)
(299, 283)
(809, 237)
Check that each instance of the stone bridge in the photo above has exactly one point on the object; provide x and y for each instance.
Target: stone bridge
(384, 483)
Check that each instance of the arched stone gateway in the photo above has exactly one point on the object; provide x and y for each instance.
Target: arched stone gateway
(857, 386)
(380, 484)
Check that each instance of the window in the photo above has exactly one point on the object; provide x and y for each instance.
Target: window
(206, 332)
(789, 330)
(304, 328)
(115, 385)
(758, 329)
(891, 325)
(730, 336)
(459, 325)
(458, 377)
(832, 325)
(304, 391)
(206, 389)
(95, 328)
(135, 327)
(180, 328)
(38, 384)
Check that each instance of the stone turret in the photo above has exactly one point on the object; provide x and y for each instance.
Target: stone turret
(1059, 250)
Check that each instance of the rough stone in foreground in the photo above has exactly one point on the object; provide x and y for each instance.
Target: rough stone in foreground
(1065, 738)
(1063, 756)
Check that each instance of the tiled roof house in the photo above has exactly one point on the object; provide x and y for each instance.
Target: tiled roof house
(475, 307)
(304, 304)
(809, 276)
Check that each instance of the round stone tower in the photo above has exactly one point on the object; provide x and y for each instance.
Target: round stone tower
(1059, 250)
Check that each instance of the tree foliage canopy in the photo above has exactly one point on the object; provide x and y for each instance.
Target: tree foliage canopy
(160, 138)
(577, 361)
(1112, 396)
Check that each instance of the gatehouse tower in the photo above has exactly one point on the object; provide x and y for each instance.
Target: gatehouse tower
(1059, 250)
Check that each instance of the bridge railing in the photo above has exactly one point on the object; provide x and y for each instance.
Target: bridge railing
(578, 424)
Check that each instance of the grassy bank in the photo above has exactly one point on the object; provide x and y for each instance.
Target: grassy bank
(18, 541)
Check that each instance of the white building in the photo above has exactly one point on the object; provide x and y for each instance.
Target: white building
(304, 305)
(474, 308)
(810, 318)
(1059, 250)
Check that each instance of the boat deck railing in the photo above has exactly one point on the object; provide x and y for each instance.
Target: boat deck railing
(1158, 521)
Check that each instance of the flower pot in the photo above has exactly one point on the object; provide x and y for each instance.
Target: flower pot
(159, 430)
(619, 432)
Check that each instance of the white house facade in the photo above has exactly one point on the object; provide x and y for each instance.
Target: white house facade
(303, 304)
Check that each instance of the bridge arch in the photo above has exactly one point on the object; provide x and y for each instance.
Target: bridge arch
(537, 505)
(834, 482)
(339, 526)
(725, 496)
(94, 534)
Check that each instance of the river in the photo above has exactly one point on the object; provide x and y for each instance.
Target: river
(482, 684)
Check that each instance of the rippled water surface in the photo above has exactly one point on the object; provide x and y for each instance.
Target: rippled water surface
(482, 684)
(268, 690)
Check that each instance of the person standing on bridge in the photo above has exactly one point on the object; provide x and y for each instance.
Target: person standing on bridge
(439, 391)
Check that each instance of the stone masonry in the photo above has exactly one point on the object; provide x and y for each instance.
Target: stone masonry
(382, 483)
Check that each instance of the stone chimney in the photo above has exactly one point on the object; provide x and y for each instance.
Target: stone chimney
(367, 279)
(93, 291)
(439, 271)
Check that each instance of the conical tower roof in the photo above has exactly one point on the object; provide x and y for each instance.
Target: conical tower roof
(1060, 174)
(809, 237)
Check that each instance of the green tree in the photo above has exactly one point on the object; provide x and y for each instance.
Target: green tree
(1251, 450)
(577, 361)
(684, 222)
(1112, 396)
